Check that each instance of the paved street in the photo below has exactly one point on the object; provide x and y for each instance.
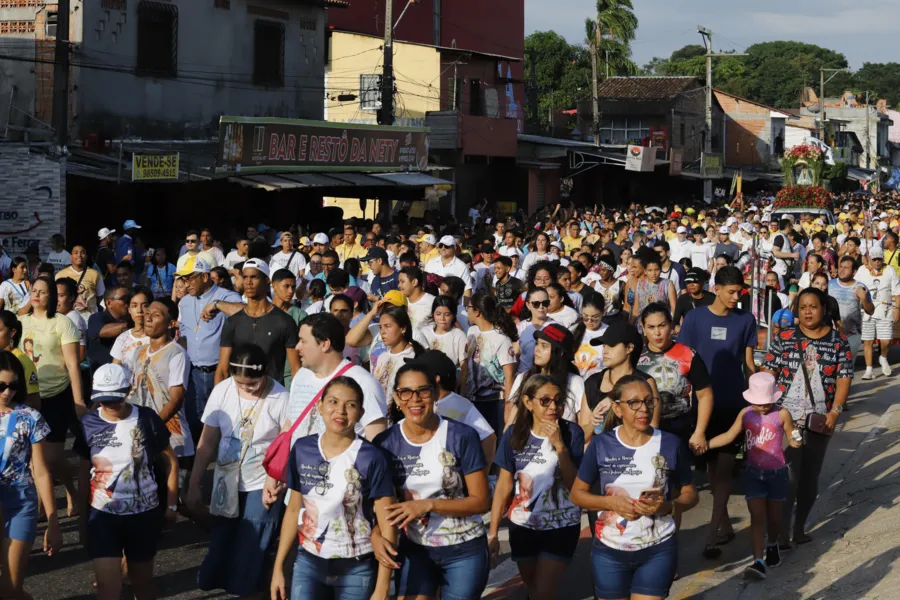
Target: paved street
(856, 522)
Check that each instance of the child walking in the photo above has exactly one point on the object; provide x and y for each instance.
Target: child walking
(766, 477)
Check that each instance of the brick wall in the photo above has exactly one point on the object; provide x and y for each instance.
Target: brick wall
(32, 199)
(747, 131)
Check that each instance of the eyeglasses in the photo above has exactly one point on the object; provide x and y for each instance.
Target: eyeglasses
(118, 299)
(442, 246)
(547, 401)
(190, 241)
(591, 319)
(540, 303)
(406, 394)
(8, 386)
(635, 405)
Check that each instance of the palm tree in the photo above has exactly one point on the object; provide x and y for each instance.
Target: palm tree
(611, 32)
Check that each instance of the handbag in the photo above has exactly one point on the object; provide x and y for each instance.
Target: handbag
(225, 498)
(814, 421)
(279, 452)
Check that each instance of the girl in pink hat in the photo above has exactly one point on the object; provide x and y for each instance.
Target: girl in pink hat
(764, 425)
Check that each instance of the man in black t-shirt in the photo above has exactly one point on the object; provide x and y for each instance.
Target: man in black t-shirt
(507, 288)
(384, 277)
(695, 296)
(258, 323)
(105, 258)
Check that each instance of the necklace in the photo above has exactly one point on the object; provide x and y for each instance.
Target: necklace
(255, 319)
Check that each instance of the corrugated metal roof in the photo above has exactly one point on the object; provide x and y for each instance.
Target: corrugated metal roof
(646, 88)
(411, 179)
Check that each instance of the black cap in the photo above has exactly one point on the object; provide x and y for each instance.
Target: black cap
(695, 275)
(557, 335)
(375, 252)
(620, 332)
(438, 363)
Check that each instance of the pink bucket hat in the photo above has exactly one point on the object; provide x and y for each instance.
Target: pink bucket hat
(762, 389)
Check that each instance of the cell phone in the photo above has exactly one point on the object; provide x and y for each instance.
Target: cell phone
(651, 495)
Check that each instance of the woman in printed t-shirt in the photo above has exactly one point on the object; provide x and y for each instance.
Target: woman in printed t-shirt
(533, 318)
(538, 458)
(121, 444)
(439, 472)
(243, 416)
(643, 475)
(588, 358)
(443, 334)
(340, 483)
(397, 334)
(15, 291)
(129, 342)
(21, 445)
(10, 335)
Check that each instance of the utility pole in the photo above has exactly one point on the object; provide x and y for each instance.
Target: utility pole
(61, 75)
(596, 101)
(532, 90)
(386, 115)
(707, 145)
(822, 82)
(868, 135)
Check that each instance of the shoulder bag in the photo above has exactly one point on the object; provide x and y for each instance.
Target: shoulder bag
(278, 455)
(814, 421)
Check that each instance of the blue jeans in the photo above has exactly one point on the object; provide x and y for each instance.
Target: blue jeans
(200, 386)
(620, 573)
(337, 578)
(459, 571)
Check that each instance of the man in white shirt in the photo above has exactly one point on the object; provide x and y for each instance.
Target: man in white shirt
(884, 286)
(411, 283)
(208, 244)
(448, 264)
(289, 258)
(237, 256)
(679, 247)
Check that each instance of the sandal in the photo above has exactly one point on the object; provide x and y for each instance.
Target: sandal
(722, 540)
(712, 552)
(802, 539)
(785, 547)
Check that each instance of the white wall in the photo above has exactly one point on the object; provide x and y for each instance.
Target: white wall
(32, 201)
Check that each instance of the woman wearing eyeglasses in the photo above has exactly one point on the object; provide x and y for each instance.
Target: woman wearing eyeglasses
(243, 416)
(538, 457)
(438, 471)
(640, 476)
(338, 483)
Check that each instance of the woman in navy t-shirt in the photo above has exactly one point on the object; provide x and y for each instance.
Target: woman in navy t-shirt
(339, 483)
(538, 458)
(643, 474)
(438, 470)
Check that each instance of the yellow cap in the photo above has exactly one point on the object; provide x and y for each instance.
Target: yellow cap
(396, 298)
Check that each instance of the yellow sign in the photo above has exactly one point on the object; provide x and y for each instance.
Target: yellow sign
(150, 167)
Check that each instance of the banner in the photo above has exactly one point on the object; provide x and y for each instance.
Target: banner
(712, 166)
(893, 183)
(676, 161)
(154, 167)
(638, 158)
(259, 144)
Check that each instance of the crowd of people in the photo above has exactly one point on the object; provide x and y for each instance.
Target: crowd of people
(365, 396)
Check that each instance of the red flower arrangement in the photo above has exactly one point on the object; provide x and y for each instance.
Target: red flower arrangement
(798, 196)
(806, 152)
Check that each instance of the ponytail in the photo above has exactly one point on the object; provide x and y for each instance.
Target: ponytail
(494, 314)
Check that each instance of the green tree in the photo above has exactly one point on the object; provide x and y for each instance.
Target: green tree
(562, 71)
(881, 78)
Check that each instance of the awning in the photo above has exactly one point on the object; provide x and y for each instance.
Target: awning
(411, 179)
(285, 181)
(861, 174)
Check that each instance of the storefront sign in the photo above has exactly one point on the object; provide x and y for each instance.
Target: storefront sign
(659, 138)
(712, 166)
(154, 167)
(638, 158)
(248, 144)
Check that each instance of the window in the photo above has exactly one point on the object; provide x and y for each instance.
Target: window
(476, 98)
(157, 39)
(370, 92)
(620, 131)
(682, 133)
(50, 25)
(268, 53)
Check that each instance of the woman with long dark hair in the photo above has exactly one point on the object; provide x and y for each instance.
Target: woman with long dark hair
(443, 334)
(538, 458)
(532, 318)
(540, 253)
(561, 307)
(540, 274)
(588, 359)
(491, 357)
(813, 368)
(396, 331)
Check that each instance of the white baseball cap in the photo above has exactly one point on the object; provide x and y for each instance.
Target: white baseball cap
(883, 226)
(447, 240)
(429, 239)
(731, 221)
(259, 265)
(511, 251)
(111, 383)
(876, 252)
(320, 238)
(558, 245)
(723, 230)
(105, 233)
(681, 229)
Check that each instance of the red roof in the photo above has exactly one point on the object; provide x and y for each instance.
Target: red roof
(646, 88)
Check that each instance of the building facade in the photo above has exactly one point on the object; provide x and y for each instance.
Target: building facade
(755, 134)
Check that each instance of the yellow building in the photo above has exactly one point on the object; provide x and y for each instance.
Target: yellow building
(354, 69)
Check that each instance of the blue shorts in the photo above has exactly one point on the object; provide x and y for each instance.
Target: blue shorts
(238, 560)
(338, 578)
(137, 535)
(771, 484)
(620, 573)
(20, 512)
(459, 572)
(531, 544)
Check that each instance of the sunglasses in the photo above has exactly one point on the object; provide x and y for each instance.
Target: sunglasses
(8, 386)
(547, 401)
(190, 241)
(442, 246)
(540, 303)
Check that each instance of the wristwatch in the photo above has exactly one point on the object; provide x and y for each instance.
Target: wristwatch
(837, 408)
(173, 508)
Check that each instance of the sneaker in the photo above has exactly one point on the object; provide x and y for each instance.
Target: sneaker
(869, 374)
(885, 366)
(773, 556)
(756, 570)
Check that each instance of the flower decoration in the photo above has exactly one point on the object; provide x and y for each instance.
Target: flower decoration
(799, 196)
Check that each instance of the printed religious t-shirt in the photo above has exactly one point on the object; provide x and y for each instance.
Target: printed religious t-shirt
(121, 455)
(42, 342)
(338, 496)
(622, 470)
(435, 469)
(20, 429)
(541, 499)
(678, 372)
(453, 343)
(489, 351)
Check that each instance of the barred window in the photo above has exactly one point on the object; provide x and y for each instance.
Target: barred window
(157, 39)
(268, 53)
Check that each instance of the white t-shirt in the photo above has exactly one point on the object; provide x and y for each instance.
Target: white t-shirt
(236, 418)
(306, 385)
(280, 261)
(386, 367)
(14, 295)
(420, 311)
(574, 396)
(701, 255)
(589, 359)
(456, 268)
(453, 406)
(533, 257)
(232, 259)
(125, 348)
(80, 324)
(567, 317)
(59, 260)
(452, 343)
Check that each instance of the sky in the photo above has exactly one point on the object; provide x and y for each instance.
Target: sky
(859, 30)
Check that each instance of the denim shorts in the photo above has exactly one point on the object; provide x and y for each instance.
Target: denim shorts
(338, 578)
(771, 484)
(20, 512)
(136, 535)
(531, 544)
(238, 560)
(620, 573)
(459, 572)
